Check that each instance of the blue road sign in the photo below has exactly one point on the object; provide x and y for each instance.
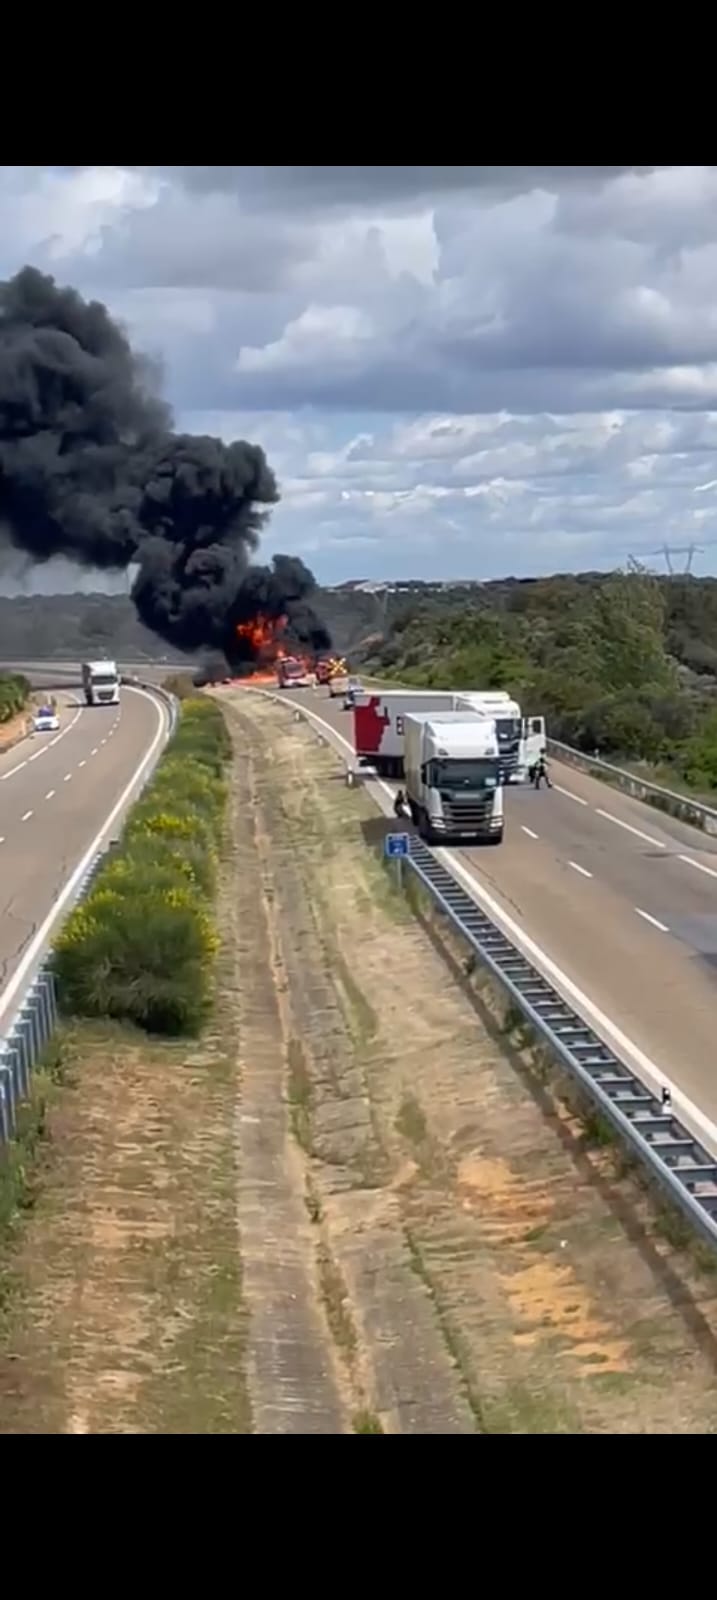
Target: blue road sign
(396, 844)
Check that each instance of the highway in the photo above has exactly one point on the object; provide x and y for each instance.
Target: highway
(56, 793)
(620, 899)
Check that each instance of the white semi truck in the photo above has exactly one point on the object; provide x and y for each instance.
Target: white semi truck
(101, 683)
(379, 719)
(453, 776)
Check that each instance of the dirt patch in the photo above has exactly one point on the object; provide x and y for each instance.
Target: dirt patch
(556, 1309)
(12, 731)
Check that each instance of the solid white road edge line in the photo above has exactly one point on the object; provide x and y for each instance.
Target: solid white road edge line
(654, 1077)
(35, 949)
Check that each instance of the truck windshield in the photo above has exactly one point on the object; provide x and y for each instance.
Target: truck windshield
(470, 774)
(104, 677)
(508, 729)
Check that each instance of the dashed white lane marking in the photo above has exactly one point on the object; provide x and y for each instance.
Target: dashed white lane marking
(58, 736)
(2, 840)
(661, 926)
(103, 741)
(529, 831)
(648, 837)
(690, 862)
(582, 870)
(26, 817)
(94, 752)
(67, 777)
(49, 794)
(82, 763)
(569, 794)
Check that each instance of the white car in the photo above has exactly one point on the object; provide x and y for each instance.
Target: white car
(45, 720)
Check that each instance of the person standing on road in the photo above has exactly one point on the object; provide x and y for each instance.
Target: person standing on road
(540, 772)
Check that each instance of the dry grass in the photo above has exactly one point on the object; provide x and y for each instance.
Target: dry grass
(126, 1314)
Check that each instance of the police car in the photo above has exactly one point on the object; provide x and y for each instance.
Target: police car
(45, 720)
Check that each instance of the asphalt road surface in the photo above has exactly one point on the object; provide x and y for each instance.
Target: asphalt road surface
(56, 792)
(621, 898)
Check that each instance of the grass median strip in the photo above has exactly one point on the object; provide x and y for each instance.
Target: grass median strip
(140, 947)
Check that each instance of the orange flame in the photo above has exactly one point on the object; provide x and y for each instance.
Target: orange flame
(262, 633)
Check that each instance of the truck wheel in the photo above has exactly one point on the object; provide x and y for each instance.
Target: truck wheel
(425, 829)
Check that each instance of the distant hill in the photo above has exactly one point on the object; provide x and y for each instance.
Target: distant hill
(69, 626)
(65, 627)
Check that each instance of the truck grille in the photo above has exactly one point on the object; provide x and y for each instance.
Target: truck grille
(464, 814)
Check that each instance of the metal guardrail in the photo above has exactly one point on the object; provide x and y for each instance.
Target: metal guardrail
(35, 1019)
(684, 1169)
(661, 799)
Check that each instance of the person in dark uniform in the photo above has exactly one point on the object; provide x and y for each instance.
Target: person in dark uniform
(400, 806)
(540, 772)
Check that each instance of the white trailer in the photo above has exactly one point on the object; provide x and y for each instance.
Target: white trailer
(379, 718)
(453, 776)
(101, 683)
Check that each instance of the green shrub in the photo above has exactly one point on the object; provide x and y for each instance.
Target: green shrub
(203, 745)
(186, 858)
(189, 784)
(14, 694)
(141, 946)
(181, 823)
(145, 958)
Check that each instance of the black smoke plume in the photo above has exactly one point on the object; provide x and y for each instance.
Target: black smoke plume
(90, 469)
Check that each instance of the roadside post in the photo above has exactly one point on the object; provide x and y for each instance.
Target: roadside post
(396, 847)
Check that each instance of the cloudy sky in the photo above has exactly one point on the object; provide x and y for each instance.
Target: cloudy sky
(455, 371)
